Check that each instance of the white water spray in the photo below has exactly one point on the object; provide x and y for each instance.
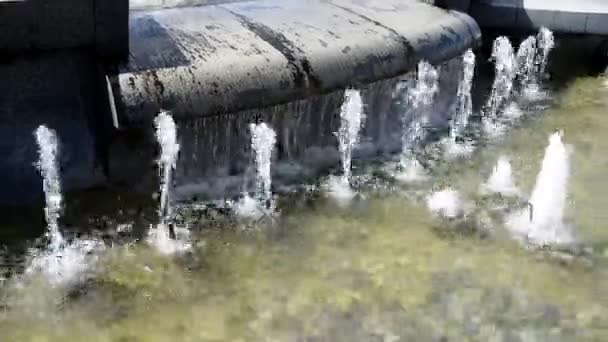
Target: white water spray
(546, 43)
(62, 263)
(166, 135)
(446, 203)
(160, 235)
(263, 140)
(501, 180)
(526, 63)
(542, 222)
(504, 59)
(48, 147)
(351, 116)
(420, 97)
(465, 103)
(351, 121)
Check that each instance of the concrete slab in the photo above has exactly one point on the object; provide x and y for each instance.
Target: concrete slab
(202, 61)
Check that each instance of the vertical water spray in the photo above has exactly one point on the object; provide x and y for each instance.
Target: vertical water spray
(546, 43)
(465, 102)
(504, 59)
(48, 147)
(351, 122)
(263, 140)
(351, 116)
(164, 235)
(166, 135)
(501, 180)
(418, 100)
(526, 63)
(542, 222)
(61, 263)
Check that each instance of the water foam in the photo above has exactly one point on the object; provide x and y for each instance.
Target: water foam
(501, 179)
(446, 203)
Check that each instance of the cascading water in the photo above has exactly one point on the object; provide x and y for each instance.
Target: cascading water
(504, 59)
(542, 222)
(263, 140)
(501, 180)
(61, 263)
(163, 235)
(351, 122)
(546, 43)
(526, 63)
(51, 184)
(420, 98)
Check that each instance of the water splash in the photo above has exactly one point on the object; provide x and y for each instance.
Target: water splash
(546, 43)
(501, 180)
(446, 203)
(48, 147)
(351, 115)
(465, 102)
(542, 222)
(166, 135)
(420, 97)
(351, 121)
(464, 110)
(165, 237)
(61, 263)
(504, 60)
(263, 140)
(526, 63)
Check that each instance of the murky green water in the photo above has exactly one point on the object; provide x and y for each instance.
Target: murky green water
(382, 269)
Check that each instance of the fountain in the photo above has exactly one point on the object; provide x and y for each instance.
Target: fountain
(464, 109)
(546, 43)
(526, 63)
(465, 104)
(164, 235)
(62, 263)
(501, 180)
(542, 222)
(420, 98)
(504, 59)
(263, 140)
(48, 147)
(351, 121)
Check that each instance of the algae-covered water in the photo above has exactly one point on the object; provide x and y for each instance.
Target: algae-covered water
(381, 269)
